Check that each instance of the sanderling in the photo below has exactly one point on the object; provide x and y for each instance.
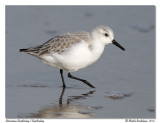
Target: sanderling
(75, 50)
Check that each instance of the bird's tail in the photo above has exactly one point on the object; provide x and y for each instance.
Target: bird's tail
(23, 50)
(31, 50)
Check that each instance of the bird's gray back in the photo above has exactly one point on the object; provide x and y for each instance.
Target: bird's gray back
(59, 44)
(63, 42)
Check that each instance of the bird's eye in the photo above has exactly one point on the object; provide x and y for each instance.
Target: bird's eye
(106, 34)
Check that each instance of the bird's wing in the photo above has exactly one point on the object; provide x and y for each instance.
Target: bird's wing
(61, 43)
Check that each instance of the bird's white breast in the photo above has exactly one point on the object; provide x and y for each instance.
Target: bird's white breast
(78, 56)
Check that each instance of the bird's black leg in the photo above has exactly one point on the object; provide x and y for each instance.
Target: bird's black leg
(61, 72)
(84, 81)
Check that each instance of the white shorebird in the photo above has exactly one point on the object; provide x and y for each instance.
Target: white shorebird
(74, 51)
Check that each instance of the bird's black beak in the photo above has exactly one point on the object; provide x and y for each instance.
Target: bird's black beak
(117, 44)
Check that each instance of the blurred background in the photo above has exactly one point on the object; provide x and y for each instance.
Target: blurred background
(124, 81)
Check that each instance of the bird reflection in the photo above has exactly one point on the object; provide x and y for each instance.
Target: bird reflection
(67, 110)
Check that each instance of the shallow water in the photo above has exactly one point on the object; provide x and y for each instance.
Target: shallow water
(34, 89)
